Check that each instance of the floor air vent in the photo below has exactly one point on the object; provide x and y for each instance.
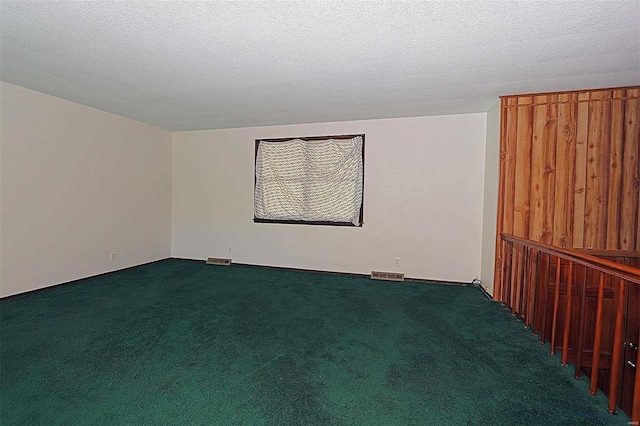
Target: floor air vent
(218, 261)
(387, 276)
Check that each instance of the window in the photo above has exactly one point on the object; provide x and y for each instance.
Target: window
(311, 180)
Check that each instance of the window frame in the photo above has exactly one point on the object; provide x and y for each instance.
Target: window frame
(307, 222)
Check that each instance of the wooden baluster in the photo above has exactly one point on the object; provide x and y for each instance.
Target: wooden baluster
(508, 282)
(556, 302)
(567, 318)
(524, 289)
(534, 294)
(527, 310)
(503, 269)
(514, 280)
(583, 301)
(635, 411)
(545, 297)
(519, 280)
(618, 345)
(512, 267)
(520, 283)
(595, 365)
(516, 302)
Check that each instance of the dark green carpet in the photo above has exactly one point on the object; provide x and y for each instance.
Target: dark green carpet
(180, 342)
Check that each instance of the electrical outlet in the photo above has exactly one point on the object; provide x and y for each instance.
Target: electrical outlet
(230, 250)
(112, 256)
(396, 262)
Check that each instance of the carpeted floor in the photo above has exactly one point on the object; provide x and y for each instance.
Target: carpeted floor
(180, 342)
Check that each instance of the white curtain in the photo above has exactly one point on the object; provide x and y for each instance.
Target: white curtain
(318, 180)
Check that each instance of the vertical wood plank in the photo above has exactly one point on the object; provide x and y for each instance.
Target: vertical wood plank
(615, 170)
(523, 168)
(597, 169)
(511, 143)
(629, 226)
(565, 166)
(508, 129)
(582, 133)
(498, 266)
(537, 170)
(543, 155)
(550, 135)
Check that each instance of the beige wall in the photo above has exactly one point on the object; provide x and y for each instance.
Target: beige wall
(1, 92)
(77, 183)
(490, 203)
(423, 199)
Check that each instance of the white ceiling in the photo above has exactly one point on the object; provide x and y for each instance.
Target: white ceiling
(184, 65)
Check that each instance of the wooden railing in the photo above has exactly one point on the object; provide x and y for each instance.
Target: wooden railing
(586, 306)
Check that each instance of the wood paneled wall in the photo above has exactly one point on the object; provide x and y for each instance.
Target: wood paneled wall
(570, 169)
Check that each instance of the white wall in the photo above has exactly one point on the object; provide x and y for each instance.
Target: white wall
(423, 199)
(1, 91)
(77, 183)
(490, 203)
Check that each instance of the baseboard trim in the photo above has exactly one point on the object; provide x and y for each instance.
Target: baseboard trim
(485, 292)
(350, 274)
(281, 268)
(79, 280)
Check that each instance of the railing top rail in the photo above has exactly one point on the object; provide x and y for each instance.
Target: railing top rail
(603, 265)
(609, 253)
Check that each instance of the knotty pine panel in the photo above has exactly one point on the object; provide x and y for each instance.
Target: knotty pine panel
(570, 169)
(630, 174)
(565, 171)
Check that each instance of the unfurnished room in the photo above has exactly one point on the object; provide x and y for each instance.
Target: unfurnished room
(306, 212)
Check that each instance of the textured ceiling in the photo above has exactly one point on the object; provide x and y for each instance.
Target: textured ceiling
(198, 65)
